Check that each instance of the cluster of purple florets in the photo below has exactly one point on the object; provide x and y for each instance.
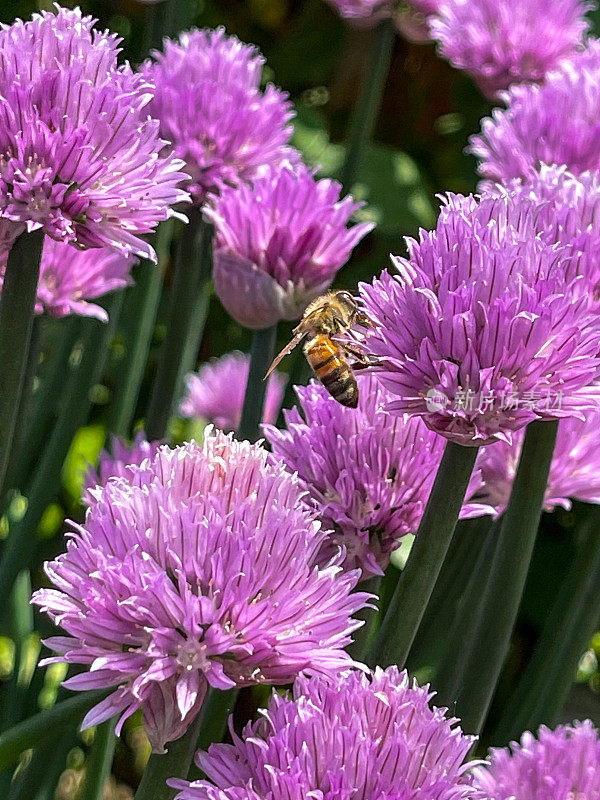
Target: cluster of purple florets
(97, 154)
(222, 565)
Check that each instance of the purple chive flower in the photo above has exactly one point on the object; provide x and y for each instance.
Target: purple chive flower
(196, 570)
(280, 243)
(426, 7)
(216, 392)
(115, 463)
(575, 470)
(409, 15)
(210, 106)
(557, 122)
(365, 737)
(363, 12)
(70, 278)
(567, 213)
(561, 764)
(368, 472)
(420, 9)
(411, 18)
(486, 326)
(500, 42)
(79, 155)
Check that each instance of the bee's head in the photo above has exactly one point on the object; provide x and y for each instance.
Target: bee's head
(347, 301)
(348, 305)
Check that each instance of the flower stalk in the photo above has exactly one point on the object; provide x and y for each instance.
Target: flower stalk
(187, 314)
(100, 759)
(21, 545)
(144, 300)
(442, 611)
(418, 577)
(456, 650)
(573, 618)
(298, 375)
(175, 762)
(261, 355)
(369, 102)
(501, 596)
(165, 19)
(218, 705)
(17, 304)
(21, 439)
(47, 400)
(21, 630)
(363, 636)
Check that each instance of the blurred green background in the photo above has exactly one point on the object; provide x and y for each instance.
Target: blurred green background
(428, 112)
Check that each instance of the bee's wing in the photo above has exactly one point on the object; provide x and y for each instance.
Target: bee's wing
(300, 333)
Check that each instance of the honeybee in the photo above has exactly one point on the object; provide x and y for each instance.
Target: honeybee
(327, 316)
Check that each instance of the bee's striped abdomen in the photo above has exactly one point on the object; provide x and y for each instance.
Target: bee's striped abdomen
(332, 369)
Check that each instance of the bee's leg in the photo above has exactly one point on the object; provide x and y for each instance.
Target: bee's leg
(339, 325)
(356, 352)
(363, 359)
(351, 348)
(364, 320)
(371, 361)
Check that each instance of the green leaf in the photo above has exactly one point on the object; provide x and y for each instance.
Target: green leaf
(389, 181)
(84, 450)
(44, 726)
